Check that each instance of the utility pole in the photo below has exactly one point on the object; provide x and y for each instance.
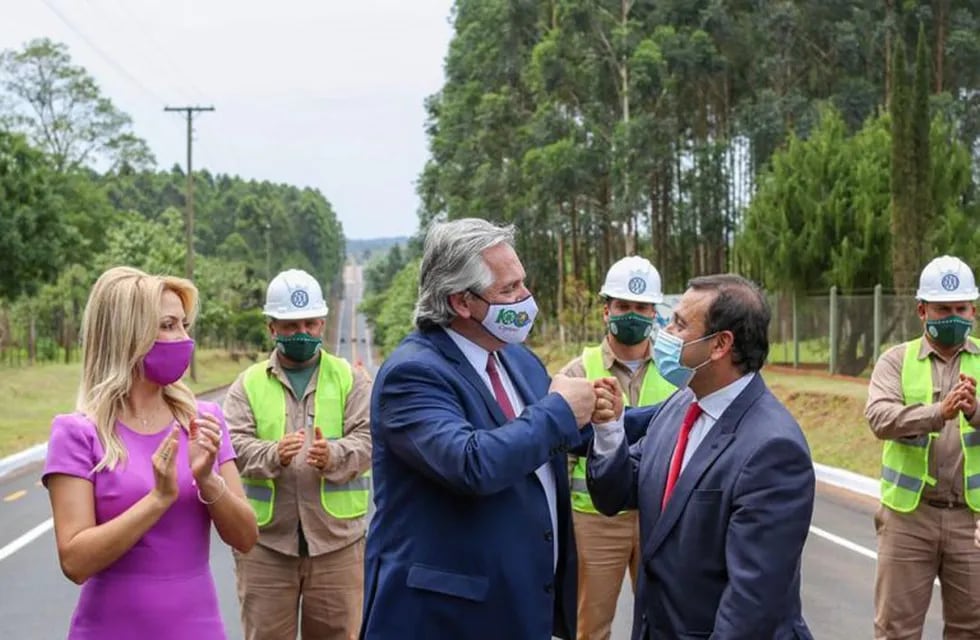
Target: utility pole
(268, 251)
(189, 220)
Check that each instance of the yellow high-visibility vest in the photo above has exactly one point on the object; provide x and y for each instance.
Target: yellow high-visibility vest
(267, 397)
(905, 462)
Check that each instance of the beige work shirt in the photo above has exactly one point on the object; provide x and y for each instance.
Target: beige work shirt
(631, 382)
(890, 418)
(297, 501)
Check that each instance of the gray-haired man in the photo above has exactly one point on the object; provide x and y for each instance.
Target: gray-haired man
(472, 534)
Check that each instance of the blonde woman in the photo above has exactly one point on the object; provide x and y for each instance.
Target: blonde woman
(138, 474)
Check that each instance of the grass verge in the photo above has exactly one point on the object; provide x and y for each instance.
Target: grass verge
(36, 394)
(831, 413)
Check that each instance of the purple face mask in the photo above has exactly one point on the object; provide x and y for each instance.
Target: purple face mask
(167, 361)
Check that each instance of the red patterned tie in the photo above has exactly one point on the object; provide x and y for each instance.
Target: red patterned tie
(498, 388)
(693, 413)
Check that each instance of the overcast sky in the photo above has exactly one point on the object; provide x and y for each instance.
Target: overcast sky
(322, 93)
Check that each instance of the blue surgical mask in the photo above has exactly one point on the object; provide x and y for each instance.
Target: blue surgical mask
(667, 351)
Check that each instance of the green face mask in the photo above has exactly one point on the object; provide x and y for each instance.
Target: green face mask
(949, 331)
(298, 347)
(630, 328)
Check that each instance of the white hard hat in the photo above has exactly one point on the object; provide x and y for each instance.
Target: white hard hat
(633, 279)
(947, 279)
(294, 295)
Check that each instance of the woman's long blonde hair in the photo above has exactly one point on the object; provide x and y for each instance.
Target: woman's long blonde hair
(119, 327)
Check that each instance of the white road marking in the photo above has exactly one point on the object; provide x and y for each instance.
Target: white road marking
(847, 544)
(26, 539)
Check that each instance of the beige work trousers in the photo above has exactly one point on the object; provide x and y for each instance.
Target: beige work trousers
(606, 547)
(913, 550)
(323, 595)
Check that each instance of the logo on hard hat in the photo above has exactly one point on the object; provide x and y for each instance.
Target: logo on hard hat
(299, 298)
(950, 282)
(637, 285)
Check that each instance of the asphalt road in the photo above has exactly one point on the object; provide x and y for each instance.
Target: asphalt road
(36, 601)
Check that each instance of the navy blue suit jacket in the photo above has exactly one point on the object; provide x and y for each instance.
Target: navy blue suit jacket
(723, 559)
(461, 543)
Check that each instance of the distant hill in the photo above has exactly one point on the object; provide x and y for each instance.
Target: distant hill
(363, 250)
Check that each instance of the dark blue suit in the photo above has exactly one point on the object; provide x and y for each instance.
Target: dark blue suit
(461, 543)
(723, 559)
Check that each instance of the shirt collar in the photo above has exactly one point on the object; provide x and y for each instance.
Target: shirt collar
(715, 403)
(474, 353)
(609, 358)
(926, 349)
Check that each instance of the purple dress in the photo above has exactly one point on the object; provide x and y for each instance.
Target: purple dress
(162, 587)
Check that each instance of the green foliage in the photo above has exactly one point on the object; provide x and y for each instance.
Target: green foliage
(33, 232)
(381, 271)
(390, 311)
(63, 110)
(62, 222)
(822, 217)
(606, 127)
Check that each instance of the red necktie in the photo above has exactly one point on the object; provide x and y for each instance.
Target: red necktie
(498, 388)
(693, 413)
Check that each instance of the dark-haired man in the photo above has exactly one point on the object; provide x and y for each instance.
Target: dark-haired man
(723, 479)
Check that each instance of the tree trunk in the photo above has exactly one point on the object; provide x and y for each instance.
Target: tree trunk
(573, 216)
(66, 338)
(560, 307)
(32, 340)
(605, 227)
(942, 16)
(889, 23)
(630, 235)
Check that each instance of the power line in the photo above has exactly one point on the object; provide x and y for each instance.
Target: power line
(102, 54)
(147, 42)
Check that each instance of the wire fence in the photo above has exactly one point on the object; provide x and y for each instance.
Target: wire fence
(830, 332)
(836, 333)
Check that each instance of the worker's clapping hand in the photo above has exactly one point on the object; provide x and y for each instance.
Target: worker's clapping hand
(963, 398)
(290, 446)
(319, 454)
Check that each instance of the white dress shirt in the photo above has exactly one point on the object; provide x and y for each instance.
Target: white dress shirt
(477, 357)
(608, 436)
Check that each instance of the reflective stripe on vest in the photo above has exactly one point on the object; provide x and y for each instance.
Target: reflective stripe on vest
(653, 390)
(905, 462)
(267, 398)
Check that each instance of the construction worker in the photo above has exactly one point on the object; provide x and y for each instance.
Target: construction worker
(607, 546)
(922, 402)
(299, 423)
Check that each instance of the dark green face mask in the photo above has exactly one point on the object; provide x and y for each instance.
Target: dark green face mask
(630, 328)
(949, 331)
(298, 347)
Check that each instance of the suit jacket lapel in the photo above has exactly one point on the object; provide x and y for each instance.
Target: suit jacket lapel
(721, 435)
(451, 352)
(520, 383)
(528, 397)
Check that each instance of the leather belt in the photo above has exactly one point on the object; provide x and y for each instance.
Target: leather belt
(946, 504)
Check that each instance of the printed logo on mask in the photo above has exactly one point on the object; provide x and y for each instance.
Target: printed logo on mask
(933, 331)
(637, 285)
(299, 298)
(511, 317)
(950, 282)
